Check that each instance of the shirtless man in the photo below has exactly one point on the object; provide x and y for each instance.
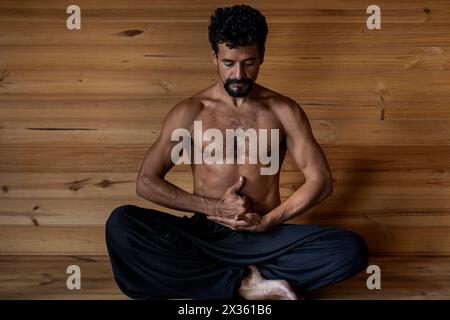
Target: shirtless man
(237, 238)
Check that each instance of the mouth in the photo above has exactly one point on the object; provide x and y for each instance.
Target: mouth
(238, 88)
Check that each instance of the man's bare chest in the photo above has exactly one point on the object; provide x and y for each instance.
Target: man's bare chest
(253, 119)
(232, 139)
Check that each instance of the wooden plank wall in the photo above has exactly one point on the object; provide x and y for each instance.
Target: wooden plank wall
(79, 109)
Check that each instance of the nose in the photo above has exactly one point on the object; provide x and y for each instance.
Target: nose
(240, 72)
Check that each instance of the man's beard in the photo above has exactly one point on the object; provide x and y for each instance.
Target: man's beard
(241, 91)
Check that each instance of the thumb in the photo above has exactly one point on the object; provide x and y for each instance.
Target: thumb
(243, 216)
(238, 185)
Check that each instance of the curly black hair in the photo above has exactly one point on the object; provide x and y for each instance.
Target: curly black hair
(239, 25)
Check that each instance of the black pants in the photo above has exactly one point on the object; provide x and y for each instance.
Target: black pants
(156, 255)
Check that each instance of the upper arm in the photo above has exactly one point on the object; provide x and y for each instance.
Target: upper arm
(302, 145)
(157, 161)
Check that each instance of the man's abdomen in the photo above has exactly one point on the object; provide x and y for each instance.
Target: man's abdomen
(212, 181)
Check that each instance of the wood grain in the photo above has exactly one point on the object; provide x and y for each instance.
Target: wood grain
(79, 109)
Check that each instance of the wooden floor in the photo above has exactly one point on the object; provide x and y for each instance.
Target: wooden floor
(44, 277)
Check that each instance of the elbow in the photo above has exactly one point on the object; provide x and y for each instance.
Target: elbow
(329, 187)
(143, 184)
(325, 187)
(139, 187)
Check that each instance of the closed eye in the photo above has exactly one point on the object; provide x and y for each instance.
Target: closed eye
(247, 64)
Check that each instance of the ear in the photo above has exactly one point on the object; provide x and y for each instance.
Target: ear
(261, 59)
(214, 57)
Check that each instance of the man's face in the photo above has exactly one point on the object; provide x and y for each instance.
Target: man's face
(238, 68)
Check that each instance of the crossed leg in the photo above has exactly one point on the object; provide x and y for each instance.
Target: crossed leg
(155, 255)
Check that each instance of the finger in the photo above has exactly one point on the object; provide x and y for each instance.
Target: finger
(250, 217)
(238, 185)
(242, 224)
(223, 220)
(230, 222)
(250, 228)
(243, 216)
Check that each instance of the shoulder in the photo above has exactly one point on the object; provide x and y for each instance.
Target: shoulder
(277, 101)
(187, 106)
(287, 110)
(183, 114)
(292, 117)
(186, 109)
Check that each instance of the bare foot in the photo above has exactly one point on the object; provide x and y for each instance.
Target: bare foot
(255, 287)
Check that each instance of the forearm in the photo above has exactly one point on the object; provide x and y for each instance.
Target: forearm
(311, 193)
(168, 195)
